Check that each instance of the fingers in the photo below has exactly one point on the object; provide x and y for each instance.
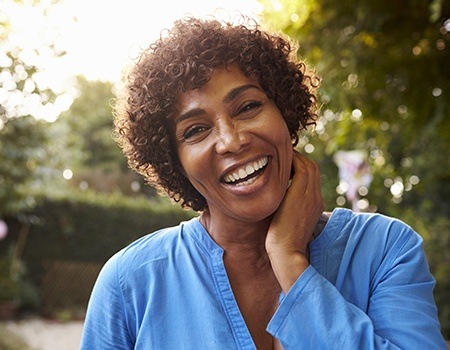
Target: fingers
(294, 222)
(306, 180)
(306, 172)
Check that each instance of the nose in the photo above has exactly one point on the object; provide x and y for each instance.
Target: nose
(231, 137)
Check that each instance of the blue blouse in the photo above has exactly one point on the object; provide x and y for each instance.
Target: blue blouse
(368, 287)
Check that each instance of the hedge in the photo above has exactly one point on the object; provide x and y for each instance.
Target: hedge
(92, 228)
(88, 227)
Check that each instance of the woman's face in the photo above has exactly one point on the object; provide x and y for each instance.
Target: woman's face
(234, 146)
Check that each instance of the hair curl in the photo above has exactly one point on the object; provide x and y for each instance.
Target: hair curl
(184, 58)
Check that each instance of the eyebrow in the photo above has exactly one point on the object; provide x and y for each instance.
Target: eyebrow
(227, 99)
(237, 91)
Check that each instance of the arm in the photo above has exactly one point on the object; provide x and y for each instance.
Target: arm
(105, 326)
(401, 311)
(294, 222)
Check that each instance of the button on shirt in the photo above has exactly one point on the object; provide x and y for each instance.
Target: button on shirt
(368, 287)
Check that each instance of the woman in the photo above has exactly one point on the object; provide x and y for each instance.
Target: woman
(211, 114)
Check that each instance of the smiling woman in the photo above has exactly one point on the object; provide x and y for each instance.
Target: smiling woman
(231, 125)
(210, 114)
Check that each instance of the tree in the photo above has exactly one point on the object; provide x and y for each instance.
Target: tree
(26, 156)
(89, 125)
(23, 156)
(86, 130)
(385, 74)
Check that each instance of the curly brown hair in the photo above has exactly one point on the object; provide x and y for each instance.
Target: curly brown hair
(184, 58)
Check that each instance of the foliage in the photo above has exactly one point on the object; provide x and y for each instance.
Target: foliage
(88, 125)
(11, 272)
(23, 154)
(14, 285)
(86, 227)
(26, 156)
(385, 75)
(90, 226)
(86, 131)
(385, 90)
(25, 55)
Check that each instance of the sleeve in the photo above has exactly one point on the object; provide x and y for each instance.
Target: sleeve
(401, 311)
(105, 325)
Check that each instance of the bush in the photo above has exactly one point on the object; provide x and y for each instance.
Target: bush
(91, 227)
(85, 229)
(15, 289)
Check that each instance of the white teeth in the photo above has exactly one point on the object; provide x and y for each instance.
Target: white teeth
(245, 171)
(249, 169)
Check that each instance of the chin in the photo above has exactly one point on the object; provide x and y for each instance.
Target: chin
(257, 213)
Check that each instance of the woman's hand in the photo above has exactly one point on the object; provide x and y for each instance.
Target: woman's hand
(294, 221)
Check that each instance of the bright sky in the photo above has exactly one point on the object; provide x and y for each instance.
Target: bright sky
(100, 37)
(108, 33)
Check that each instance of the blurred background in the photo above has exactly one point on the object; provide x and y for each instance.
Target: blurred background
(68, 200)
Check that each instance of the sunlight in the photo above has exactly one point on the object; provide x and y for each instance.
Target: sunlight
(94, 38)
(107, 34)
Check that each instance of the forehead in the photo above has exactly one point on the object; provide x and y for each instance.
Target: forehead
(223, 80)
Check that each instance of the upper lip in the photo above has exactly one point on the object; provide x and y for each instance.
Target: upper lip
(232, 171)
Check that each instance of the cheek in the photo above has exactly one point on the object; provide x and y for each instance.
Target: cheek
(288, 150)
(190, 163)
(187, 164)
(289, 160)
(284, 136)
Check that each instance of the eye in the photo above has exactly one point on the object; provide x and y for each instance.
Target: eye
(250, 106)
(193, 131)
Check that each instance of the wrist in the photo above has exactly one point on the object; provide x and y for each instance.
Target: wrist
(288, 267)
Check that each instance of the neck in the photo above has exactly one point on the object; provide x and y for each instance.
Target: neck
(240, 240)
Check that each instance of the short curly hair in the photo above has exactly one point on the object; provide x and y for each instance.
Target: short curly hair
(184, 58)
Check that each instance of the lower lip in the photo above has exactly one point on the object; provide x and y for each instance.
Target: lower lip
(250, 186)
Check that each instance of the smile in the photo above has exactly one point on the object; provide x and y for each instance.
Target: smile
(246, 173)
